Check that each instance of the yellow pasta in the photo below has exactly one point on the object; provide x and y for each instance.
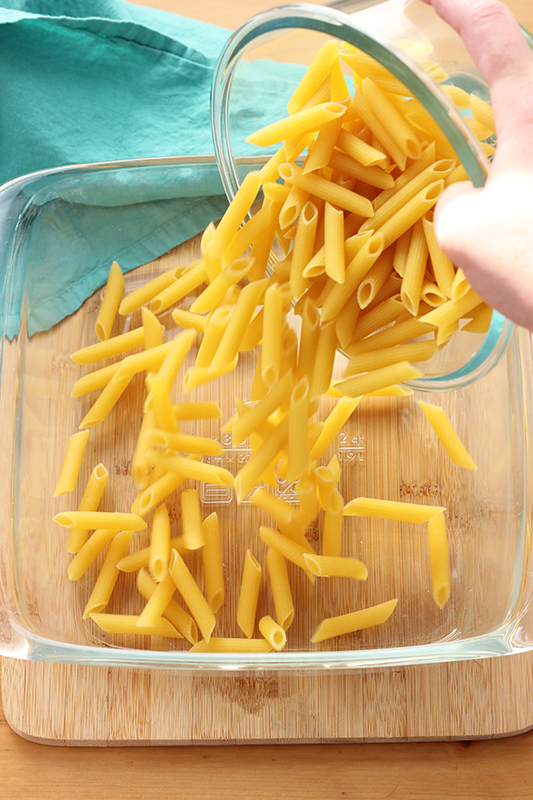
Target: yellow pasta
(308, 340)
(193, 597)
(174, 613)
(189, 468)
(334, 243)
(148, 291)
(254, 416)
(450, 440)
(249, 594)
(197, 445)
(238, 323)
(301, 122)
(360, 150)
(439, 560)
(129, 624)
(333, 522)
(153, 335)
(212, 559)
(391, 120)
(139, 362)
(141, 558)
(460, 285)
(273, 633)
(158, 602)
(401, 372)
(88, 553)
(188, 319)
(286, 547)
(180, 288)
(314, 76)
(375, 278)
(250, 474)
(355, 621)
(399, 333)
(331, 192)
(92, 520)
(453, 309)
(70, 469)
(199, 410)
(159, 544)
(304, 243)
(384, 357)
(482, 112)
(481, 319)
(162, 404)
(355, 272)
(110, 347)
(336, 566)
(391, 509)
(90, 500)
(108, 575)
(193, 532)
(281, 589)
(298, 455)
(272, 335)
(415, 269)
(109, 397)
(110, 302)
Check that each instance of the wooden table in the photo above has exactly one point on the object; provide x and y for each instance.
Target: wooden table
(483, 769)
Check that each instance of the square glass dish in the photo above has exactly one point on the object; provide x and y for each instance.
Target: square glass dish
(386, 450)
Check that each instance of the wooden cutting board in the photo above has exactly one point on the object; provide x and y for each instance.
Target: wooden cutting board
(80, 705)
(84, 705)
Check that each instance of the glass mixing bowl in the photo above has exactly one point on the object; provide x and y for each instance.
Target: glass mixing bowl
(263, 61)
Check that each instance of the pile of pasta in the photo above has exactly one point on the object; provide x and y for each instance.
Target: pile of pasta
(348, 199)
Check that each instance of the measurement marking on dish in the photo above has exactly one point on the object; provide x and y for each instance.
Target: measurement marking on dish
(350, 448)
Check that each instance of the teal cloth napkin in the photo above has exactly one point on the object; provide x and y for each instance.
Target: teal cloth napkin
(97, 80)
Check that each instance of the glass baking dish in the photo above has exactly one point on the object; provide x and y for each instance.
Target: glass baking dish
(385, 450)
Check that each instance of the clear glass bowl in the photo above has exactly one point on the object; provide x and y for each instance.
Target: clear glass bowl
(262, 63)
(387, 449)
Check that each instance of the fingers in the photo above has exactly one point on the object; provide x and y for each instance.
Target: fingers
(500, 50)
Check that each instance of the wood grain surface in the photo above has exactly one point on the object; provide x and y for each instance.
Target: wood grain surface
(482, 769)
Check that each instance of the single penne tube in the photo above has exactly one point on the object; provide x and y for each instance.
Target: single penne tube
(401, 372)
(196, 471)
(70, 468)
(449, 438)
(482, 112)
(321, 153)
(481, 319)
(108, 310)
(359, 150)
(314, 76)
(431, 294)
(249, 595)
(212, 559)
(158, 602)
(333, 522)
(114, 346)
(286, 547)
(133, 562)
(211, 252)
(439, 560)
(174, 613)
(148, 291)
(192, 596)
(180, 288)
(108, 575)
(275, 192)
(140, 469)
(215, 329)
(238, 324)
(153, 335)
(309, 335)
(206, 409)
(90, 501)
(149, 360)
(304, 243)
(399, 333)
(298, 454)
(333, 425)
(445, 332)
(282, 512)
(129, 624)
(162, 404)
(93, 520)
(88, 553)
(251, 472)
(452, 310)
(336, 566)
(273, 633)
(357, 269)
(425, 123)
(334, 243)
(214, 294)
(480, 131)
(372, 176)
(159, 544)
(415, 269)
(326, 350)
(391, 509)
(325, 484)
(377, 318)
(193, 533)
(375, 359)
(238, 208)
(281, 589)
(184, 443)
(307, 493)
(108, 397)
(335, 468)
(188, 319)
(347, 320)
(305, 121)
(175, 355)
(460, 285)
(375, 278)
(268, 478)
(289, 355)
(331, 192)
(231, 645)
(255, 415)
(292, 208)
(355, 621)
(161, 488)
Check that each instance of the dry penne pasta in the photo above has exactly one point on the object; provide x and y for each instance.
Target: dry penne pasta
(336, 566)
(249, 594)
(68, 477)
(391, 509)
(110, 302)
(193, 597)
(90, 500)
(159, 544)
(442, 426)
(129, 623)
(108, 575)
(355, 621)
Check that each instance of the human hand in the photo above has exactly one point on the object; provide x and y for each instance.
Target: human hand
(489, 232)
